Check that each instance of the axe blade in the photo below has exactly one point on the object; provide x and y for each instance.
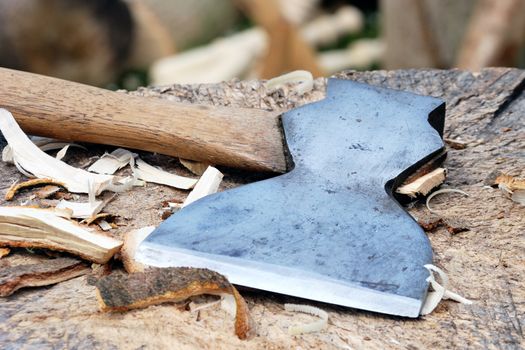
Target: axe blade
(328, 230)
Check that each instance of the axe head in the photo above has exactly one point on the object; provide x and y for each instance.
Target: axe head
(328, 230)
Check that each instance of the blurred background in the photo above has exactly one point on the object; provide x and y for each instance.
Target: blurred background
(131, 43)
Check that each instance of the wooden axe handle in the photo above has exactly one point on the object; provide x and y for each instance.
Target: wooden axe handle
(236, 137)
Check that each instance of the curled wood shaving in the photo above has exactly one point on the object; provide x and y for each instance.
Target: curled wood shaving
(45, 144)
(109, 163)
(32, 161)
(424, 184)
(303, 79)
(208, 183)
(445, 190)
(310, 327)
(148, 173)
(440, 291)
(11, 192)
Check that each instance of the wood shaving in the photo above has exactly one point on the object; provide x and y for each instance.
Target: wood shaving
(208, 183)
(424, 184)
(109, 163)
(45, 144)
(445, 190)
(148, 173)
(16, 187)
(303, 81)
(310, 327)
(440, 291)
(42, 228)
(30, 160)
(82, 210)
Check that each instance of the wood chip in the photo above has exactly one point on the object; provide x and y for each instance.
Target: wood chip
(208, 183)
(104, 225)
(456, 144)
(430, 222)
(4, 252)
(512, 186)
(510, 182)
(109, 163)
(81, 210)
(131, 242)
(120, 292)
(149, 173)
(15, 188)
(424, 184)
(198, 168)
(94, 218)
(455, 225)
(42, 228)
(42, 274)
(47, 191)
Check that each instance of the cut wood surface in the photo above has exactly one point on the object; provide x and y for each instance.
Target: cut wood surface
(484, 264)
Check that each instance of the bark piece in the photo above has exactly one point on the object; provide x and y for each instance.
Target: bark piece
(30, 183)
(120, 292)
(42, 274)
(40, 228)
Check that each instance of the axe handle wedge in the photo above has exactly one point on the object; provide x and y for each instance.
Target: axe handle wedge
(250, 139)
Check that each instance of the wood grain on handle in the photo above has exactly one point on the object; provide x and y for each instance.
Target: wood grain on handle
(236, 137)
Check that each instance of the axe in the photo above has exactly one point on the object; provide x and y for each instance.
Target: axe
(327, 229)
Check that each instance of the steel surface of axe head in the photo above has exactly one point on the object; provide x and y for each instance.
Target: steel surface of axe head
(328, 230)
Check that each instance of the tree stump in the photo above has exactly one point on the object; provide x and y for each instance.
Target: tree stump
(484, 264)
